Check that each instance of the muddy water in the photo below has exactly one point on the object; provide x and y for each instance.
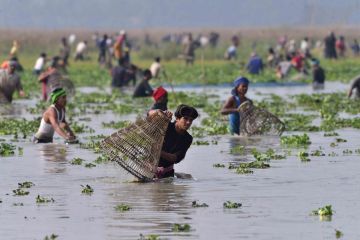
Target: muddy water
(276, 202)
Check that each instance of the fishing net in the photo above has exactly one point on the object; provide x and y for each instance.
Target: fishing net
(137, 147)
(61, 82)
(258, 121)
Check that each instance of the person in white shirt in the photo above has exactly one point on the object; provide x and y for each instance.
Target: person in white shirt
(80, 51)
(155, 68)
(39, 64)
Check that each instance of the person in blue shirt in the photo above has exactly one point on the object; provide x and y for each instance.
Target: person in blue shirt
(230, 107)
(255, 64)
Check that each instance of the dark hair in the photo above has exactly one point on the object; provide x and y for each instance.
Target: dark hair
(186, 111)
(147, 73)
(43, 54)
(157, 59)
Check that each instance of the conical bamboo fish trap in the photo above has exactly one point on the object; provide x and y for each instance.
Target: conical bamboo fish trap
(258, 121)
(62, 82)
(137, 147)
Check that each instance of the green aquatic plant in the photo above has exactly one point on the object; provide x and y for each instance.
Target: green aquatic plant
(76, 161)
(331, 134)
(333, 144)
(7, 149)
(254, 164)
(229, 204)
(101, 159)
(304, 156)
(323, 211)
(122, 208)
(339, 140)
(317, 153)
(149, 237)
(94, 145)
(90, 165)
(18, 126)
(116, 125)
(243, 170)
(195, 204)
(20, 192)
(219, 165)
(26, 184)
(40, 199)
(18, 204)
(295, 140)
(338, 234)
(88, 190)
(347, 152)
(181, 227)
(51, 237)
(237, 150)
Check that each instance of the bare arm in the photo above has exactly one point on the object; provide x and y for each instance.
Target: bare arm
(67, 128)
(229, 106)
(51, 116)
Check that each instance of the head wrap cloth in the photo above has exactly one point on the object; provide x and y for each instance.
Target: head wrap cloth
(240, 80)
(186, 111)
(56, 94)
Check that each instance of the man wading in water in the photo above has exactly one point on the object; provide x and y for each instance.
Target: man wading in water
(231, 105)
(53, 120)
(177, 140)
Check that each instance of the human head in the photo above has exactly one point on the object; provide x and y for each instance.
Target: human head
(160, 95)
(240, 86)
(58, 96)
(12, 66)
(43, 55)
(315, 62)
(147, 74)
(157, 59)
(54, 63)
(185, 115)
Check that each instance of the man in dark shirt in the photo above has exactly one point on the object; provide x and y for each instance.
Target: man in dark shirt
(177, 140)
(118, 75)
(144, 89)
(318, 75)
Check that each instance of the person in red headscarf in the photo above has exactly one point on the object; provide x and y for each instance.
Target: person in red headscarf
(160, 96)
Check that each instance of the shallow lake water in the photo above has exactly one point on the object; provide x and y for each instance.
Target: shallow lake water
(276, 202)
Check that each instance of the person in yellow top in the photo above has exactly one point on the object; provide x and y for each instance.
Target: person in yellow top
(14, 49)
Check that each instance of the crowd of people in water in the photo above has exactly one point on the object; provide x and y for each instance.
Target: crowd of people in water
(114, 54)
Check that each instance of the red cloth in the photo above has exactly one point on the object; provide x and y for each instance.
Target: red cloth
(158, 93)
(297, 62)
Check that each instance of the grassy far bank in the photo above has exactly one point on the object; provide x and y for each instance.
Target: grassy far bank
(210, 70)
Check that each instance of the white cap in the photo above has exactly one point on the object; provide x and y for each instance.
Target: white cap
(122, 32)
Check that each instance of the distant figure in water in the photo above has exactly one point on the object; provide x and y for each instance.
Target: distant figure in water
(9, 83)
(230, 107)
(53, 120)
(318, 74)
(144, 89)
(160, 96)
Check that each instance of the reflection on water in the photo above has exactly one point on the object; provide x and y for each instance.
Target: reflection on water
(54, 156)
(260, 142)
(156, 206)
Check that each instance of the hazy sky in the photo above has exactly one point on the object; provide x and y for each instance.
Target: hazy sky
(116, 14)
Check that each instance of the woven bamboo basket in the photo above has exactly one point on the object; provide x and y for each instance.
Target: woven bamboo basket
(137, 147)
(64, 83)
(258, 121)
